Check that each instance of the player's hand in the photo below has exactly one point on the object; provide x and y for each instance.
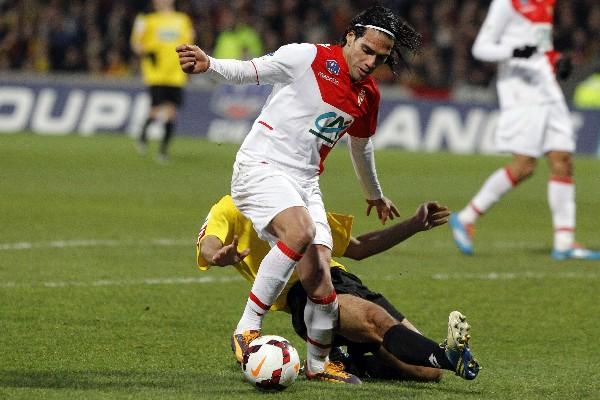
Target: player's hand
(385, 209)
(564, 67)
(229, 254)
(192, 59)
(524, 52)
(429, 215)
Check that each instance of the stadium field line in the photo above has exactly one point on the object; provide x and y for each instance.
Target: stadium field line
(128, 282)
(493, 276)
(60, 244)
(489, 276)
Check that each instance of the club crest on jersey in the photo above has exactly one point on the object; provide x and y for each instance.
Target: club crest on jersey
(361, 96)
(332, 66)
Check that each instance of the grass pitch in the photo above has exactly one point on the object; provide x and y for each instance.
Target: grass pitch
(100, 298)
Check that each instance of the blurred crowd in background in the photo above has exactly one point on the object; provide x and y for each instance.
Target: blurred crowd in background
(93, 36)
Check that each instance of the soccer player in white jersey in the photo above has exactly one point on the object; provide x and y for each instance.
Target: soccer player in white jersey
(534, 119)
(320, 92)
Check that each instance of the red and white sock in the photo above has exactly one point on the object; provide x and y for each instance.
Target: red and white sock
(274, 272)
(561, 198)
(321, 317)
(496, 186)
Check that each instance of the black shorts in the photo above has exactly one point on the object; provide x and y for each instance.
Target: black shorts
(166, 94)
(344, 283)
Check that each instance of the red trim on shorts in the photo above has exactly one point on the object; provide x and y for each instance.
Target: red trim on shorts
(324, 300)
(562, 179)
(289, 252)
(564, 229)
(511, 177)
(265, 124)
(477, 210)
(259, 303)
(319, 345)
(256, 71)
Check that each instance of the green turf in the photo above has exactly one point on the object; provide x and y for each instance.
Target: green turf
(100, 298)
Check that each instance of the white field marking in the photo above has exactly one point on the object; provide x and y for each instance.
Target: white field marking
(491, 276)
(61, 244)
(128, 282)
(497, 276)
(507, 245)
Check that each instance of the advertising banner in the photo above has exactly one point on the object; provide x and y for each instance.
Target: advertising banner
(225, 114)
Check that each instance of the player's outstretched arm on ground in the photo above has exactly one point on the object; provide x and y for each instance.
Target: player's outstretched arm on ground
(427, 216)
(216, 253)
(192, 59)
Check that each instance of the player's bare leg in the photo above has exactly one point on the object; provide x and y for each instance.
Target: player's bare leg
(362, 321)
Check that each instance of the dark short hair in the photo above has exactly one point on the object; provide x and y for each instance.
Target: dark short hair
(406, 37)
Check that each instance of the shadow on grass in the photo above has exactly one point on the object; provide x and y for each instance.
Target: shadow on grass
(467, 390)
(231, 383)
(109, 380)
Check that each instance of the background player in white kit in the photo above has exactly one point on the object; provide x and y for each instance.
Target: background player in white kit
(320, 93)
(534, 119)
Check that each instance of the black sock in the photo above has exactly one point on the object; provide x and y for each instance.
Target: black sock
(167, 137)
(144, 135)
(415, 349)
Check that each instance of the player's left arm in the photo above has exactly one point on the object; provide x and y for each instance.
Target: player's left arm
(427, 216)
(363, 160)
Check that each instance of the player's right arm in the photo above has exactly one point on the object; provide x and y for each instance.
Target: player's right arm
(283, 66)
(216, 253)
(217, 243)
(427, 216)
(488, 45)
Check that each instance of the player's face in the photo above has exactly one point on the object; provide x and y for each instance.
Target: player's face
(367, 52)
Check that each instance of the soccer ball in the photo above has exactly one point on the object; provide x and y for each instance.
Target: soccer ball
(271, 363)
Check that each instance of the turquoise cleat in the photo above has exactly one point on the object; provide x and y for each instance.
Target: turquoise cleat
(577, 252)
(463, 235)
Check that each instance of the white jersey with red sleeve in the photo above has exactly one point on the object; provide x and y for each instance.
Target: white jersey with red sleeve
(313, 104)
(512, 24)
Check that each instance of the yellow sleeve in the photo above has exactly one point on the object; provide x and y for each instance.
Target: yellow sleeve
(218, 223)
(341, 230)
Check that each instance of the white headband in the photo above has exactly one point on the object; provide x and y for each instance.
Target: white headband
(377, 28)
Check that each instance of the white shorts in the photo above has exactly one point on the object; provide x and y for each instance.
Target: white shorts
(535, 130)
(261, 191)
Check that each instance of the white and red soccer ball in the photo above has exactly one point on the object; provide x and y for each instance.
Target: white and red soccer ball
(271, 363)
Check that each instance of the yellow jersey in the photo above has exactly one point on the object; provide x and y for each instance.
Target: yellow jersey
(225, 221)
(157, 34)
